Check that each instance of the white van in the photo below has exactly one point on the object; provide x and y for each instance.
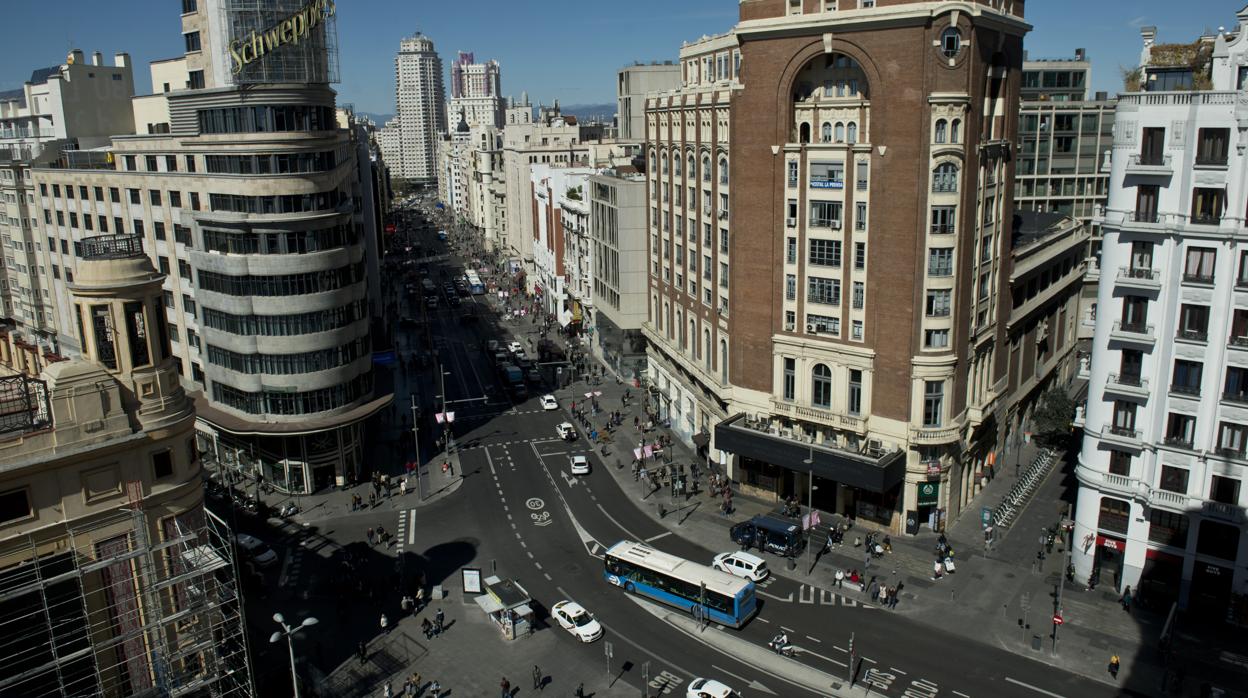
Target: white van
(742, 564)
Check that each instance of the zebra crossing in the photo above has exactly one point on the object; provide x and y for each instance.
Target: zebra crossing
(810, 595)
(405, 532)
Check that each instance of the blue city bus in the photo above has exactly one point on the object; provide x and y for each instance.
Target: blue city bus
(701, 591)
(475, 287)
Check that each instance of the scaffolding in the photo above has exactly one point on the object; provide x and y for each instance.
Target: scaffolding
(123, 605)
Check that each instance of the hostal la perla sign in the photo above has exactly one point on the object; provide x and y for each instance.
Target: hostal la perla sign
(288, 31)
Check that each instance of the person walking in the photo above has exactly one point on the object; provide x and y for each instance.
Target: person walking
(840, 578)
(435, 689)
(1126, 599)
(362, 649)
(505, 685)
(438, 619)
(537, 678)
(894, 594)
(1114, 664)
(371, 534)
(580, 690)
(385, 624)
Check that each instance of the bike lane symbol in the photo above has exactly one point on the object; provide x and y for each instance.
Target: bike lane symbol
(538, 515)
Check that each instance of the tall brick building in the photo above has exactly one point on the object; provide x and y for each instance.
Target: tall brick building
(831, 199)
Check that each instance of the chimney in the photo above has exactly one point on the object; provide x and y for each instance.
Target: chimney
(121, 60)
(1149, 34)
(97, 58)
(76, 57)
(1081, 54)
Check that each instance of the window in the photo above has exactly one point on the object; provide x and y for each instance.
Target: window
(851, 132)
(175, 199)
(950, 43)
(154, 195)
(790, 255)
(1208, 205)
(863, 169)
(1120, 462)
(860, 295)
(821, 290)
(152, 163)
(855, 391)
(134, 197)
(14, 505)
(823, 324)
(827, 175)
(1232, 439)
(194, 201)
(192, 41)
(826, 132)
(1167, 528)
(1198, 265)
(939, 302)
(933, 402)
(943, 219)
(821, 386)
(860, 216)
(955, 129)
(1186, 377)
(162, 464)
(1114, 516)
(158, 229)
(825, 253)
(1180, 429)
(1239, 327)
(1194, 322)
(1124, 419)
(1235, 388)
(942, 128)
(1211, 146)
(860, 256)
(856, 330)
(188, 304)
(1134, 314)
(1224, 489)
(792, 173)
(825, 214)
(114, 195)
(940, 261)
(189, 6)
(936, 339)
(945, 178)
(1173, 479)
(790, 379)
(790, 287)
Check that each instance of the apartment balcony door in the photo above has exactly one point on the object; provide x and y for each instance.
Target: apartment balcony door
(1146, 203)
(1134, 312)
(1142, 255)
(1152, 146)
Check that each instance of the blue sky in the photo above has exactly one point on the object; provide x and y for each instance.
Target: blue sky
(569, 49)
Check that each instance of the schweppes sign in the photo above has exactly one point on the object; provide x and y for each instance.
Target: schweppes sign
(288, 31)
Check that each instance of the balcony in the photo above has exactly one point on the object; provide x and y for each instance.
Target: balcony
(942, 228)
(934, 435)
(1238, 343)
(1213, 219)
(1144, 221)
(1149, 165)
(1123, 436)
(1182, 442)
(819, 416)
(1168, 498)
(1192, 391)
(1192, 336)
(1127, 384)
(1139, 278)
(873, 467)
(1133, 333)
(1203, 279)
(1222, 510)
(1237, 397)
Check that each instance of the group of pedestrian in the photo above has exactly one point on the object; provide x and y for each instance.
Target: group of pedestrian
(434, 628)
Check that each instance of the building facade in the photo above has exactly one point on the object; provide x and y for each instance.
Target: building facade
(1165, 453)
(75, 104)
(250, 201)
(419, 108)
(618, 229)
(114, 576)
(787, 128)
(476, 92)
(632, 84)
(560, 243)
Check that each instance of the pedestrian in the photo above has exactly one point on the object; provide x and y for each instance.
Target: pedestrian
(438, 619)
(363, 651)
(387, 692)
(937, 572)
(1114, 663)
(406, 604)
(506, 686)
(372, 498)
(1126, 599)
(415, 682)
(403, 486)
(371, 534)
(875, 590)
(435, 689)
(426, 627)
(537, 678)
(385, 624)
(867, 563)
(840, 578)
(1043, 540)
(893, 595)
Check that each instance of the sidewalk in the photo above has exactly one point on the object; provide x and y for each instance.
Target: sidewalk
(470, 658)
(988, 589)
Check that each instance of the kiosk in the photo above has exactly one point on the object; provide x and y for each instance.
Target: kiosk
(507, 604)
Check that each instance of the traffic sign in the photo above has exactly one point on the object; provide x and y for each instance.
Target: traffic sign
(1057, 619)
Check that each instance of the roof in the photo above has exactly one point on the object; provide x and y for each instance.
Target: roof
(18, 95)
(1033, 226)
(41, 75)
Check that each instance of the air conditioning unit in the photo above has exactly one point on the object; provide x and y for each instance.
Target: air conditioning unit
(810, 329)
(790, 222)
(789, 327)
(835, 225)
(723, 215)
(706, 210)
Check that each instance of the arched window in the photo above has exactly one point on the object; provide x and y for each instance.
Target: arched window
(941, 127)
(664, 162)
(723, 361)
(652, 164)
(678, 165)
(804, 133)
(851, 132)
(950, 42)
(945, 178)
(667, 318)
(707, 351)
(693, 170)
(821, 386)
(827, 132)
(706, 168)
(955, 131)
(723, 170)
(693, 338)
(654, 312)
(840, 132)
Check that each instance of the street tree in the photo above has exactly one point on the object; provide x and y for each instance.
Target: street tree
(1053, 416)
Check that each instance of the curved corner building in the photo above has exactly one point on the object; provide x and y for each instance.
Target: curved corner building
(246, 191)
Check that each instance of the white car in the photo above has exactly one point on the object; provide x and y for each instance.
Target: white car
(549, 402)
(742, 564)
(709, 688)
(255, 548)
(514, 347)
(580, 465)
(575, 619)
(566, 431)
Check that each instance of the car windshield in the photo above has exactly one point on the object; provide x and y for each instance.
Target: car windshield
(582, 619)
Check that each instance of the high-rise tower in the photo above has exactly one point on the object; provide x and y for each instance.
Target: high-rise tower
(419, 108)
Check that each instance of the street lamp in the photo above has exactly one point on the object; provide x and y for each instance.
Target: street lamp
(810, 502)
(288, 631)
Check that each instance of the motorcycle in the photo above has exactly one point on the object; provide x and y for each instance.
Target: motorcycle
(288, 509)
(781, 646)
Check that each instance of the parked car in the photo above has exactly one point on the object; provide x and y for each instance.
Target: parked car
(256, 549)
(742, 564)
(580, 465)
(573, 617)
(549, 402)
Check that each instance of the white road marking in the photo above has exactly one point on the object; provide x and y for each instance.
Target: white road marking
(1016, 682)
(760, 592)
(838, 648)
(787, 630)
(896, 670)
(618, 524)
(664, 534)
(738, 677)
(411, 530)
(816, 654)
(960, 693)
(813, 639)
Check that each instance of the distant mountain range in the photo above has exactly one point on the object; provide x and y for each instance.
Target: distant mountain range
(580, 111)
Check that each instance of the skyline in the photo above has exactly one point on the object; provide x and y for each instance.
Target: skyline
(148, 31)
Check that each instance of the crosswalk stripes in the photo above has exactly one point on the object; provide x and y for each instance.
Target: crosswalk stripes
(405, 533)
(817, 596)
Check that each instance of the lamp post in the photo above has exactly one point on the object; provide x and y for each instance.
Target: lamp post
(420, 488)
(810, 505)
(288, 631)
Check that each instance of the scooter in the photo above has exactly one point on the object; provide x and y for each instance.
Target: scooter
(780, 645)
(288, 509)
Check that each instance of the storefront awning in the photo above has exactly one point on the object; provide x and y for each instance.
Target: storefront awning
(872, 470)
(701, 439)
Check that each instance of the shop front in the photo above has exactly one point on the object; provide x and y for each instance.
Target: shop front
(1107, 567)
(1161, 578)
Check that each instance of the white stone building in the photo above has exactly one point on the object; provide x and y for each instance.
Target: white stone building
(633, 82)
(419, 109)
(559, 230)
(617, 220)
(1161, 500)
(475, 92)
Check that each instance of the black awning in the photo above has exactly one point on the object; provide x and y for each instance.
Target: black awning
(875, 472)
(701, 439)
